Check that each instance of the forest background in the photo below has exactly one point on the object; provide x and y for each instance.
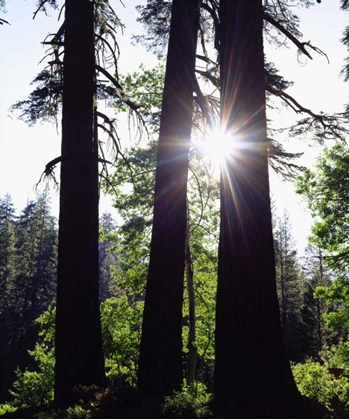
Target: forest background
(318, 85)
(305, 332)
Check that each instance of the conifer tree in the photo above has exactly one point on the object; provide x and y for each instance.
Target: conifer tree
(251, 367)
(289, 287)
(160, 362)
(315, 333)
(8, 270)
(7, 248)
(30, 288)
(107, 259)
(78, 342)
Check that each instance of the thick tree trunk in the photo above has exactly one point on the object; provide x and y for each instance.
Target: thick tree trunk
(79, 354)
(160, 363)
(252, 373)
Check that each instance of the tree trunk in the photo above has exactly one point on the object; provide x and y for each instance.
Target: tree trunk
(79, 354)
(160, 363)
(252, 373)
(191, 346)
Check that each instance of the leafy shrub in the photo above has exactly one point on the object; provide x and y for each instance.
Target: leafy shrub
(340, 355)
(121, 323)
(121, 331)
(33, 388)
(189, 403)
(76, 412)
(314, 381)
(7, 408)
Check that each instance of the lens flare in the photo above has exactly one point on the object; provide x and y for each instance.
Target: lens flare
(217, 145)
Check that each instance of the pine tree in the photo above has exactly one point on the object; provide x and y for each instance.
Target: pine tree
(78, 342)
(252, 373)
(7, 248)
(31, 288)
(160, 362)
(8, 271)
(107, 259)
(316, 334)
(37, 252)
(289, 287)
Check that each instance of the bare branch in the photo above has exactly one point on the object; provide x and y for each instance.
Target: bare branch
(288, 34)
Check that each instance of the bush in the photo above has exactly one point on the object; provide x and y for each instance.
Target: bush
(7, 408)
(189, 403)
(316, 382)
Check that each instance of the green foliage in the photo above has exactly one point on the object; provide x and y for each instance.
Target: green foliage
(337, 356)
(76, 412)
(316, 276)
(34, 388)
(108, 260)
(326, 189)
(289, 287)
(7, 408)
(121, 330)
(121, 324)
(188, 403)
(144, 87)
(337, 295)
(28, 255)
(314, 381)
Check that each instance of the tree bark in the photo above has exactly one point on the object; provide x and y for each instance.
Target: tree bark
(78, 344)
(160, 363)
(191, 346)
(252, 373)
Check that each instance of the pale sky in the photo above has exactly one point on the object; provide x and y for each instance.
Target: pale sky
(24, 150)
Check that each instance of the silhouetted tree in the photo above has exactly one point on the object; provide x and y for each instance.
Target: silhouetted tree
(78, 342)
(252, 373)
(160, 364)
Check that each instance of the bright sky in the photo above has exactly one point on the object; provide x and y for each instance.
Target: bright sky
(24, 150)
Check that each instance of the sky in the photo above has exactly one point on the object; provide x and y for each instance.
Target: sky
(24, 151)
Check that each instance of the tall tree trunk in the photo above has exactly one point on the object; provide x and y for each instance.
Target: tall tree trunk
(252, 373)
(79, 354)
(283, 294)
(191, 346)
(160, 363)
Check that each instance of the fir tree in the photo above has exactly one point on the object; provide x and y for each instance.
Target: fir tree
(251, 367)
(107, 259)
(289, 288)
(31, 288)
(160, 366)
(316, 335)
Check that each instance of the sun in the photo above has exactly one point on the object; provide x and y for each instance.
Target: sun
(217, 146)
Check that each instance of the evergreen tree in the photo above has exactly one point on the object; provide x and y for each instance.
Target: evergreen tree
(36, 279)
(31, 288)
(7, 249)
(160, 366)
(78, 348)
(251, 368)
(87, 39)
(8, 270)
(316, 334)
(289, 288)
(107, 259)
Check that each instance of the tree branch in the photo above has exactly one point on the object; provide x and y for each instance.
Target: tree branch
(300, 45)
